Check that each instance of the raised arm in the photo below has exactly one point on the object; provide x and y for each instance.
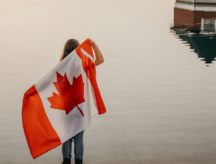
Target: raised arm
(98, 54)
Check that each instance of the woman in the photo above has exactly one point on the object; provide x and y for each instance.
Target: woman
(70, 45)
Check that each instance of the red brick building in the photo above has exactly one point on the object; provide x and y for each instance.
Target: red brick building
(195, 15)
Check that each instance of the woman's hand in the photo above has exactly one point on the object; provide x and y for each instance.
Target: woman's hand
(98, 54)
(92, 42)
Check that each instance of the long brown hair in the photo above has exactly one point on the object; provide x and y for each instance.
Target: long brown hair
(70, 45)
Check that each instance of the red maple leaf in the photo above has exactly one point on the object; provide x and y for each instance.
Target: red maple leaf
(69, 95)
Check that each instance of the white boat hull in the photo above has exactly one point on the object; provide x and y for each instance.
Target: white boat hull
(191, 14)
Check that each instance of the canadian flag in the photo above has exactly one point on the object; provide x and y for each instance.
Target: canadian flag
(62, 103)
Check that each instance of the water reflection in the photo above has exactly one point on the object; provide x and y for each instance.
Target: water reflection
(203, 44)
(195, 24)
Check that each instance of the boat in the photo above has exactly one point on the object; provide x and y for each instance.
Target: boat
(195, 15)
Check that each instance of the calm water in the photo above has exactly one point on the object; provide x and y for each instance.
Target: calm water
(159, 89)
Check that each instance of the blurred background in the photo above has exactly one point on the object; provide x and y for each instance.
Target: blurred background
(158, 90)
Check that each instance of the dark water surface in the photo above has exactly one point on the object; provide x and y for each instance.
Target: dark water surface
(159, 90)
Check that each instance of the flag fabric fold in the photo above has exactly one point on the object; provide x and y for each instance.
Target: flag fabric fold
(62, 103)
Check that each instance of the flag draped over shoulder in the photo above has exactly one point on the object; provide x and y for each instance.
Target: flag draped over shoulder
(62, 103)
